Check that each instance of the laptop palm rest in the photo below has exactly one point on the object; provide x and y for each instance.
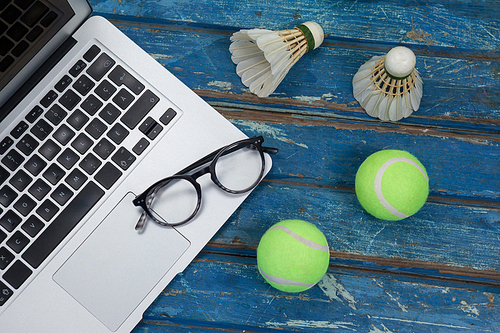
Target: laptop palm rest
(117, 259)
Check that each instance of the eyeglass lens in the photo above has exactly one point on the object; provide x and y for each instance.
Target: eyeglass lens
(240, 170)
(176, 200)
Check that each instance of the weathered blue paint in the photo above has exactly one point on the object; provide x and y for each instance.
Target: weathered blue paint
(437, 271)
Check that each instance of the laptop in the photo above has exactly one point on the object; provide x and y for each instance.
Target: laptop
(88, 122)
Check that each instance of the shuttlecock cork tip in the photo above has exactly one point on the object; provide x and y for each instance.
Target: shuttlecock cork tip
(400, 62)
(314, 34)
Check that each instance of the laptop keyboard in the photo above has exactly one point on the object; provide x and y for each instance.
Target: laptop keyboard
(59, 161)
(22, 22)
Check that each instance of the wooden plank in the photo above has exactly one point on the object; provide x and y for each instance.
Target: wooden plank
(468, 24)
(237, 299)
(459, 94)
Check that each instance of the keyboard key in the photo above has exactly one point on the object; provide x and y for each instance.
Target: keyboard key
(63, 224)
(34, 34)
(47, 210)
(19, 130)
(96, 128)
(82, 143)
(34, 14)
(18, 242)
(5, 45)
(61, 194)
(10, 14)
(108, 175)
(34, 114)
(123, 158)
(20, 180)
(13, 160)
(24, 4)
(110, 113)
(49, 149)
(123, 99)
(20, 48)
(27, 144)
(90, 163)
(83, 85)
(56, 114)
(140, 146)
(139, 109)
(70, 99)
(41, 129)
(63, 134)
(68, 158)
(5, 63)
(91, 53)
(17, 274)
(155, 131)
(77, 119)
(147, 125)
(5, 293)
(118, 133)
(49, 98)
(48, 19)
(3, 26)
(6, 258)
(77, 68)
(53, 174)
(25, 205)
(4, 174)
(5, 144)
(35, 165)
(91, 105)
(76, 179)
(121, 77)
(3, 235)
(33, 226)
(63, 83)
(105, 90)
(7, 196)
(104, 148)
(10, 220)
(100, 67)
(17, 31)
(39, 189)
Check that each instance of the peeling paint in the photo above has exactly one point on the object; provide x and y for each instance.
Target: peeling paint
(273, 132)
(377, 330)
(159, 56)
(332, 288)
(471, 309)
(221, 85)
(311, 324)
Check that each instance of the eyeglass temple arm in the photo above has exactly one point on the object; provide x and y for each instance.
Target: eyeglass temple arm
(210, 156)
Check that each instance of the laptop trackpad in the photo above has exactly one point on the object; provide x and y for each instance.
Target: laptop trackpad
(114, 269)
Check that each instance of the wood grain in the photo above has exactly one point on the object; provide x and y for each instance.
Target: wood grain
(438, 271)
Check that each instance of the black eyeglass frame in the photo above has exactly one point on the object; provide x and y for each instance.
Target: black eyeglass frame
(212, 158)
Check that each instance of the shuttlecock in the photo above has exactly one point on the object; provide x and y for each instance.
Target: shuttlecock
(264, 57)
(389, 87)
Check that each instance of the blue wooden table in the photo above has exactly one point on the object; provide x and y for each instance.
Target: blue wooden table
(437, 271)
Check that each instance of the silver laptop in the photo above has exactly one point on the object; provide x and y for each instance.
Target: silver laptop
(89, 121)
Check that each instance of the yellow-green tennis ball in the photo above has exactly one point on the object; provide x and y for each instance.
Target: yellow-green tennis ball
(392, 184)
(293, 255)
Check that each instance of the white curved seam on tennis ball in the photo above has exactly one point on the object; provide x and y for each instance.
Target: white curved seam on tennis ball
(378, 183)
(303, 240)
(278, 280)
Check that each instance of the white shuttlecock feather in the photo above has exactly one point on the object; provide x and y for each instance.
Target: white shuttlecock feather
(389, 87)
(264, 57)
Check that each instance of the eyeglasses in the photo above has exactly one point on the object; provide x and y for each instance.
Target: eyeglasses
(236, 168)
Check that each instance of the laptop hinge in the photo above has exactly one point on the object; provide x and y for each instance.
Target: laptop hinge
(39, 74)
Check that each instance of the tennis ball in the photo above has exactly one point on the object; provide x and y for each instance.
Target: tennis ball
(392, 185)
(293, 255)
